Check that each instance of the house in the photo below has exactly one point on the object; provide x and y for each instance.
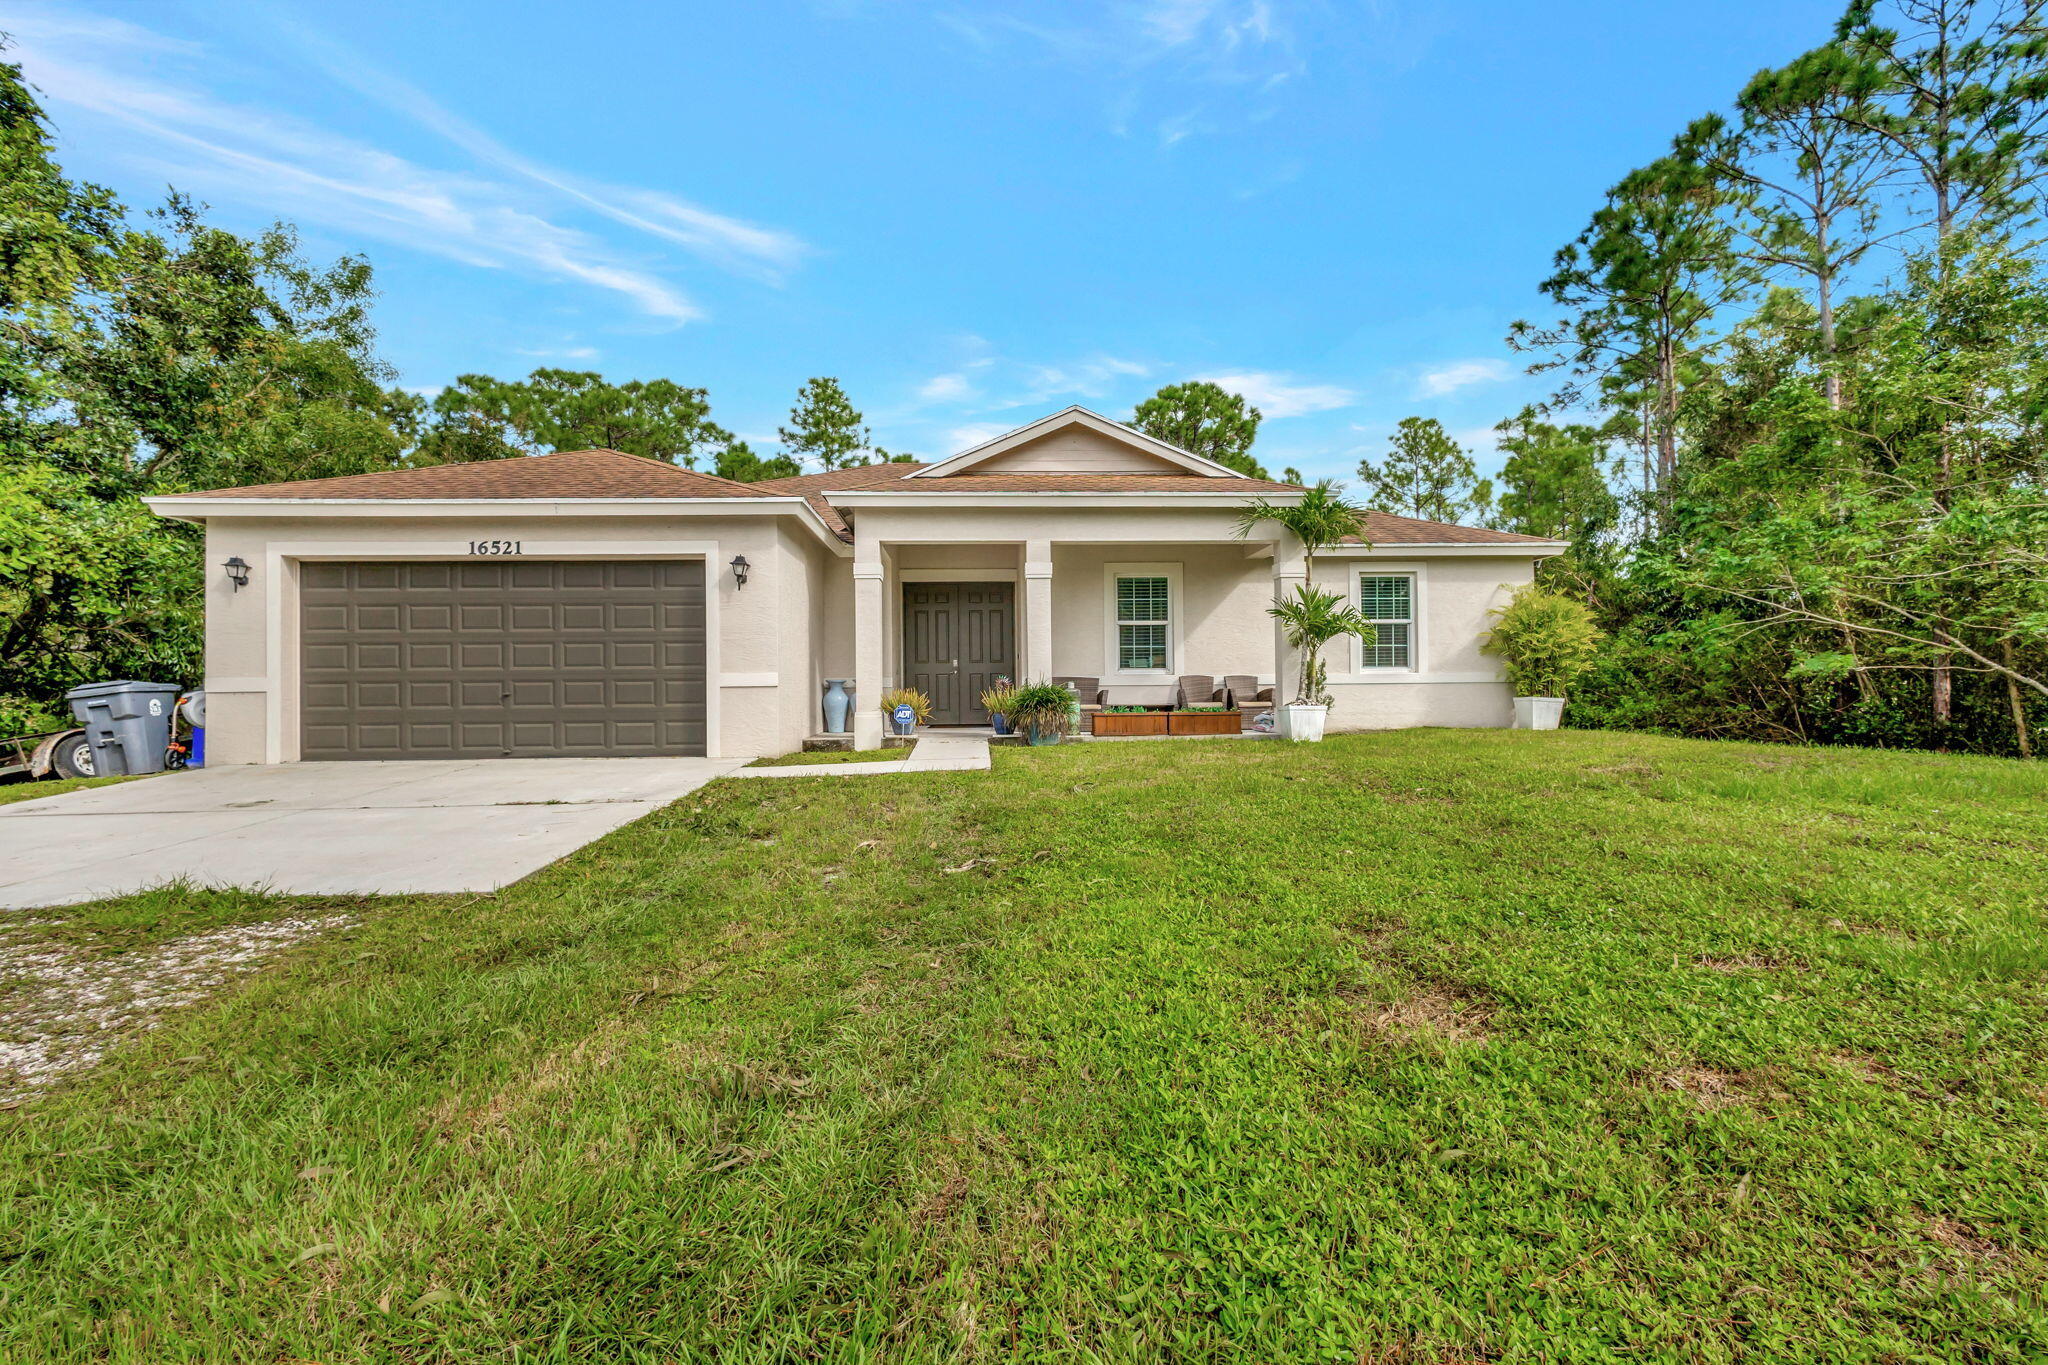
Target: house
(596, 603)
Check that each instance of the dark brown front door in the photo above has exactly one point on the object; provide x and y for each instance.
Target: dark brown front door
(502, 659)
(957, 640)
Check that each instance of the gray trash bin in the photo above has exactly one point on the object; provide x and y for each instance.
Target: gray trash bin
(127, 723)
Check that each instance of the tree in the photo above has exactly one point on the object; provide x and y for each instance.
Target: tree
(1555, 481)
(479, 417)
(1309, 620)
(739, 462)
(1640, 285)
(1318, 519)
(1815, 178)
(826, 427)
(1426, 474)
(1206, 420)
(1960, 94)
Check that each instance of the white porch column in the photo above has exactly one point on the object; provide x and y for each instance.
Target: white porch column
(1289, 573)
(867, 644)
(1037, 611)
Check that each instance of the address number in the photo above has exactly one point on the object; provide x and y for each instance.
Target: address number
(495, 547)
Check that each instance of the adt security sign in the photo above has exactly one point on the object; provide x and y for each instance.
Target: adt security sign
(904, 716)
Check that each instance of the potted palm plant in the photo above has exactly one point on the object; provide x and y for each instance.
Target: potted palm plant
(1309, 620)
(996, 701)
(1313, 616)
(920, 709)
(1042, 712)
(1545, 640)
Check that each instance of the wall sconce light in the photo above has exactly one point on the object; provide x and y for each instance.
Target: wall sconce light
(740, 568)
(238, 572)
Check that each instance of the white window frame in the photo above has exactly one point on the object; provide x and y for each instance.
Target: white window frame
(1175, 610)
(1414, 622)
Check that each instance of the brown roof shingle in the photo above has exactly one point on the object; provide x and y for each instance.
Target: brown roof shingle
(1384, 528)
(564, 474)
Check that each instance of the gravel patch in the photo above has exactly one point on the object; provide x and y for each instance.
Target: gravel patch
(63, 1008)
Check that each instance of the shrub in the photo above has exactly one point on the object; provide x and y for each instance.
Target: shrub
(920, 705)
(1544, 638)
(1045, 707)
(998, 700)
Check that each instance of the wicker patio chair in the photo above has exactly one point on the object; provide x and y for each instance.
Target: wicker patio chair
(1245, 692)
(1197, 689)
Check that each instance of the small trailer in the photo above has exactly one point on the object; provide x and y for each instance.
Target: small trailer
(58, 753)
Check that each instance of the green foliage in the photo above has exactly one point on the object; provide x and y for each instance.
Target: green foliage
(1319, 518)
(1046, 707)
(825, 426)
(1556, 480)
(920, 705)
(998, 700)
(1204, 419)
(1544, 639)
(738, 461)
(1425, 474)
(1310, 620)
(481, 418)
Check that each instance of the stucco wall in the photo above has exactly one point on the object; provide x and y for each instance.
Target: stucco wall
(1221, 624)
(761, 659)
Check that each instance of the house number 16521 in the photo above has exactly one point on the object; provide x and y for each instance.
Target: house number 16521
(494, 547)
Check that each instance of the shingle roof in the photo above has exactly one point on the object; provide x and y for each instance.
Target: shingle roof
(1384, 528)
(564, 474)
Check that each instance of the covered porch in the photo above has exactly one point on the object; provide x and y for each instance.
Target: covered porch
(1085, 601)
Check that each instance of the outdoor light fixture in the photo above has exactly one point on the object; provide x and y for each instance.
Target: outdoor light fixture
(739, 570)
(238, 572)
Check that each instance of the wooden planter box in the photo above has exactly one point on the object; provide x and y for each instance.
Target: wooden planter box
(1130, 723)
(1205, 722)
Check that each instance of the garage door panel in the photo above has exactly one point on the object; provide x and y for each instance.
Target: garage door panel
(477, 660)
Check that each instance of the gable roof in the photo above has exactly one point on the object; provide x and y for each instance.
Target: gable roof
(1384, 528)
(565, 474)
(1076, 415)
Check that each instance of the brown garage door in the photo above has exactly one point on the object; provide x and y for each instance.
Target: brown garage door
(507, 659)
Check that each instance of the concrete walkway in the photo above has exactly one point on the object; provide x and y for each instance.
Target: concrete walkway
(937, 751)
(331, 828)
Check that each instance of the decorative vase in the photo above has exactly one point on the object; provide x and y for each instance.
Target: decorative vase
(838, 706)
(1041, 736)
(1538, 713)
(999, 722)
(1302, 722)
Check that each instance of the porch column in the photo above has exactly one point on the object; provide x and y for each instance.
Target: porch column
(1037, 611)
(1289, 573)
(867, 645)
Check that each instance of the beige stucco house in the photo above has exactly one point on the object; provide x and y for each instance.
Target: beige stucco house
(596, 603)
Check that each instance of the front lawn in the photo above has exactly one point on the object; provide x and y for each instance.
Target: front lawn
(1423, 1046)
(34, 789)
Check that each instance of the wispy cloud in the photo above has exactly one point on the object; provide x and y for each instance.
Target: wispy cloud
(558, 352)
(973, 434)
(945, 388)
(276, 163)
(1464, 374)
(1092, 377)
(1276, 395)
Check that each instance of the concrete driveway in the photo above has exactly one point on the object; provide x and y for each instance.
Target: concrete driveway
(331, 828)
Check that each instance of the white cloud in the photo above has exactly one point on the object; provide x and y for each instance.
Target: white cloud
(1463, 374)
(1089, 378)
(974, 434)
(944, 388)
(557, 352)
(1275, 395)
(109, 69)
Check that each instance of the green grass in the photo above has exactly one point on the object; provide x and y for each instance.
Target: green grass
(1421, 1046)
(833, 756)
(13, 791)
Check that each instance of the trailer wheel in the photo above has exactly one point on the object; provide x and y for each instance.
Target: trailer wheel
(72, 756)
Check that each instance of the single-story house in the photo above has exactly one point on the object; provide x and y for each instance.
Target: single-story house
(596, 603)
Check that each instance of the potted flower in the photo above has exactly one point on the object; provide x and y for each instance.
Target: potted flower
(920, 709)
(1545, 640)
(1308, 621)
(996, 701)
(1042, 712)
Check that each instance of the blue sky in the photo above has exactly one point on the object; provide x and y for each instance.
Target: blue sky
(971, 212)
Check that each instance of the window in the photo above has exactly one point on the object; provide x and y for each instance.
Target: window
(1388, 601)
(1144, 615)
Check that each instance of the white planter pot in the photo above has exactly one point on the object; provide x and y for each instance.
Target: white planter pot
(1302, 723)
(1538, 713)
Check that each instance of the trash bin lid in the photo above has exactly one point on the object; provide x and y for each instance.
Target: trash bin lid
(108, 689)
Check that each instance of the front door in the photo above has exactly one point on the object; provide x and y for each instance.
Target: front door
(958, 638)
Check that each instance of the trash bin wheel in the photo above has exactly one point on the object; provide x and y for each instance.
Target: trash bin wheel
(72, 756)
